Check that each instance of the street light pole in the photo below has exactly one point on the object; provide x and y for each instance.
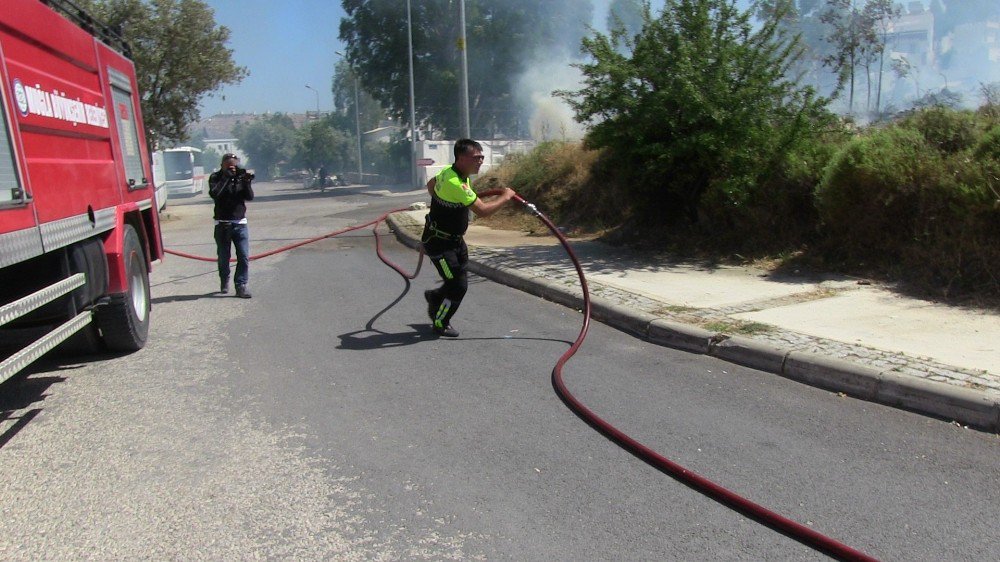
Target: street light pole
(317, 99)
(413, 118)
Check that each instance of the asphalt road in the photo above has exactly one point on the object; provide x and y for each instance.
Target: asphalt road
(321, 419)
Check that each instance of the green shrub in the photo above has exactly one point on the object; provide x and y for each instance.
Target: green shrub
(777, 212)
(693, 106)
(869, 199)
(948, 130)
(988, 147)
(898, 206)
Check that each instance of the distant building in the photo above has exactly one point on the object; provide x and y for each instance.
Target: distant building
(380, 134)
(973, 53)
(223, 146)
(221, 125)
(912, 35)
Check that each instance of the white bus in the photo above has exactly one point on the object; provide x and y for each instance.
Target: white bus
(159, 181)
(185, 177)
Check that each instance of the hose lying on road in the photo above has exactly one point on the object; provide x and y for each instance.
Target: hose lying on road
(378, 246)
(758, 512)
(787, 526)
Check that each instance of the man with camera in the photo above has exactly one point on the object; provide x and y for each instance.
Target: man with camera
(230, 188)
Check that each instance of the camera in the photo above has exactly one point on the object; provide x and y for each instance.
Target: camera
(247, 176)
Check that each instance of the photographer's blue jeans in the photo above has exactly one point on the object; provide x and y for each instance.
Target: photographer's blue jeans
(238, 235)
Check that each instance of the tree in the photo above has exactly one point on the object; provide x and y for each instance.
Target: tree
(504, 38)
(369, 111)
(628, 13)
(882, 13)
(268, 142)
(180, 56)
(320, 144)
(800, 21)
(702, 105)
(853, 37)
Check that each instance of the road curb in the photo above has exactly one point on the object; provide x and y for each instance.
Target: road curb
(750, 353)
(938, 399)
(832, 374)
(680, 336)
(963, 405)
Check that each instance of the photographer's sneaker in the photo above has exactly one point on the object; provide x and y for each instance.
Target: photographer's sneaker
(242, 292)
(224, 287)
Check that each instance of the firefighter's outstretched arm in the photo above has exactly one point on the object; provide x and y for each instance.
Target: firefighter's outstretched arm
(485, 209)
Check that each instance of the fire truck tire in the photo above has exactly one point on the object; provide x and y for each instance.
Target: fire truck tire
(124, 321)
(86, 257)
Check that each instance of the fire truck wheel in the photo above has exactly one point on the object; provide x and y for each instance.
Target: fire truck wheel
(124, 321)
(86, 257)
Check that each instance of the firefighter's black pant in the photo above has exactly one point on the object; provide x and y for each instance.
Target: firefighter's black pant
(450, 258)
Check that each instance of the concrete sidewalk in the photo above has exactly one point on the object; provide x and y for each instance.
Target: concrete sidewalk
(835, 333)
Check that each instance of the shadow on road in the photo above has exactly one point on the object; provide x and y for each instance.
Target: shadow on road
(187, 298)
(17, 396)
(368, 339)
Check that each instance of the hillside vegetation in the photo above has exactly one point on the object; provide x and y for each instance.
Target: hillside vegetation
(700, 139)
(915, 201)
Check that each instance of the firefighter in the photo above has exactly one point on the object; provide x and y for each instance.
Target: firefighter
(451, 199)
(230, 188)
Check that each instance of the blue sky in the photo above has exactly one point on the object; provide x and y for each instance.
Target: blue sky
(286, 45)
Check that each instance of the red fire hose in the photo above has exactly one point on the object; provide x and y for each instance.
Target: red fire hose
(798, 531)
(378, 246)
(783, 524)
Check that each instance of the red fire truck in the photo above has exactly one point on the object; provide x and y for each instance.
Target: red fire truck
(78, 223)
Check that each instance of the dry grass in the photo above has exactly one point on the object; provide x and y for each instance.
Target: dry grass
(560, 178)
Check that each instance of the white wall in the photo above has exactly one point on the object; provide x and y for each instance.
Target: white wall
(443, 154)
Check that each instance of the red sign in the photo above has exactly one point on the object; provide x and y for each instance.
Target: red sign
(425, 161)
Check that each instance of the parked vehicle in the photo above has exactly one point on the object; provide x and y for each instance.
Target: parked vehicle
(159, 181)
(79, 229)
(185, 177)
(328, 180)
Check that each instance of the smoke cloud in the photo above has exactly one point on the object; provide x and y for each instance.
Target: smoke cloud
(551, 117)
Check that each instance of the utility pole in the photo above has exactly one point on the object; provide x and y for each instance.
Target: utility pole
(464, 46)
(413, 117)
(357, 127)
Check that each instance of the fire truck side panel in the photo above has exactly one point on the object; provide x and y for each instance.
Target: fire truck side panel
(33, 21)
(57, 86)
(78, 119)
(76, 190)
